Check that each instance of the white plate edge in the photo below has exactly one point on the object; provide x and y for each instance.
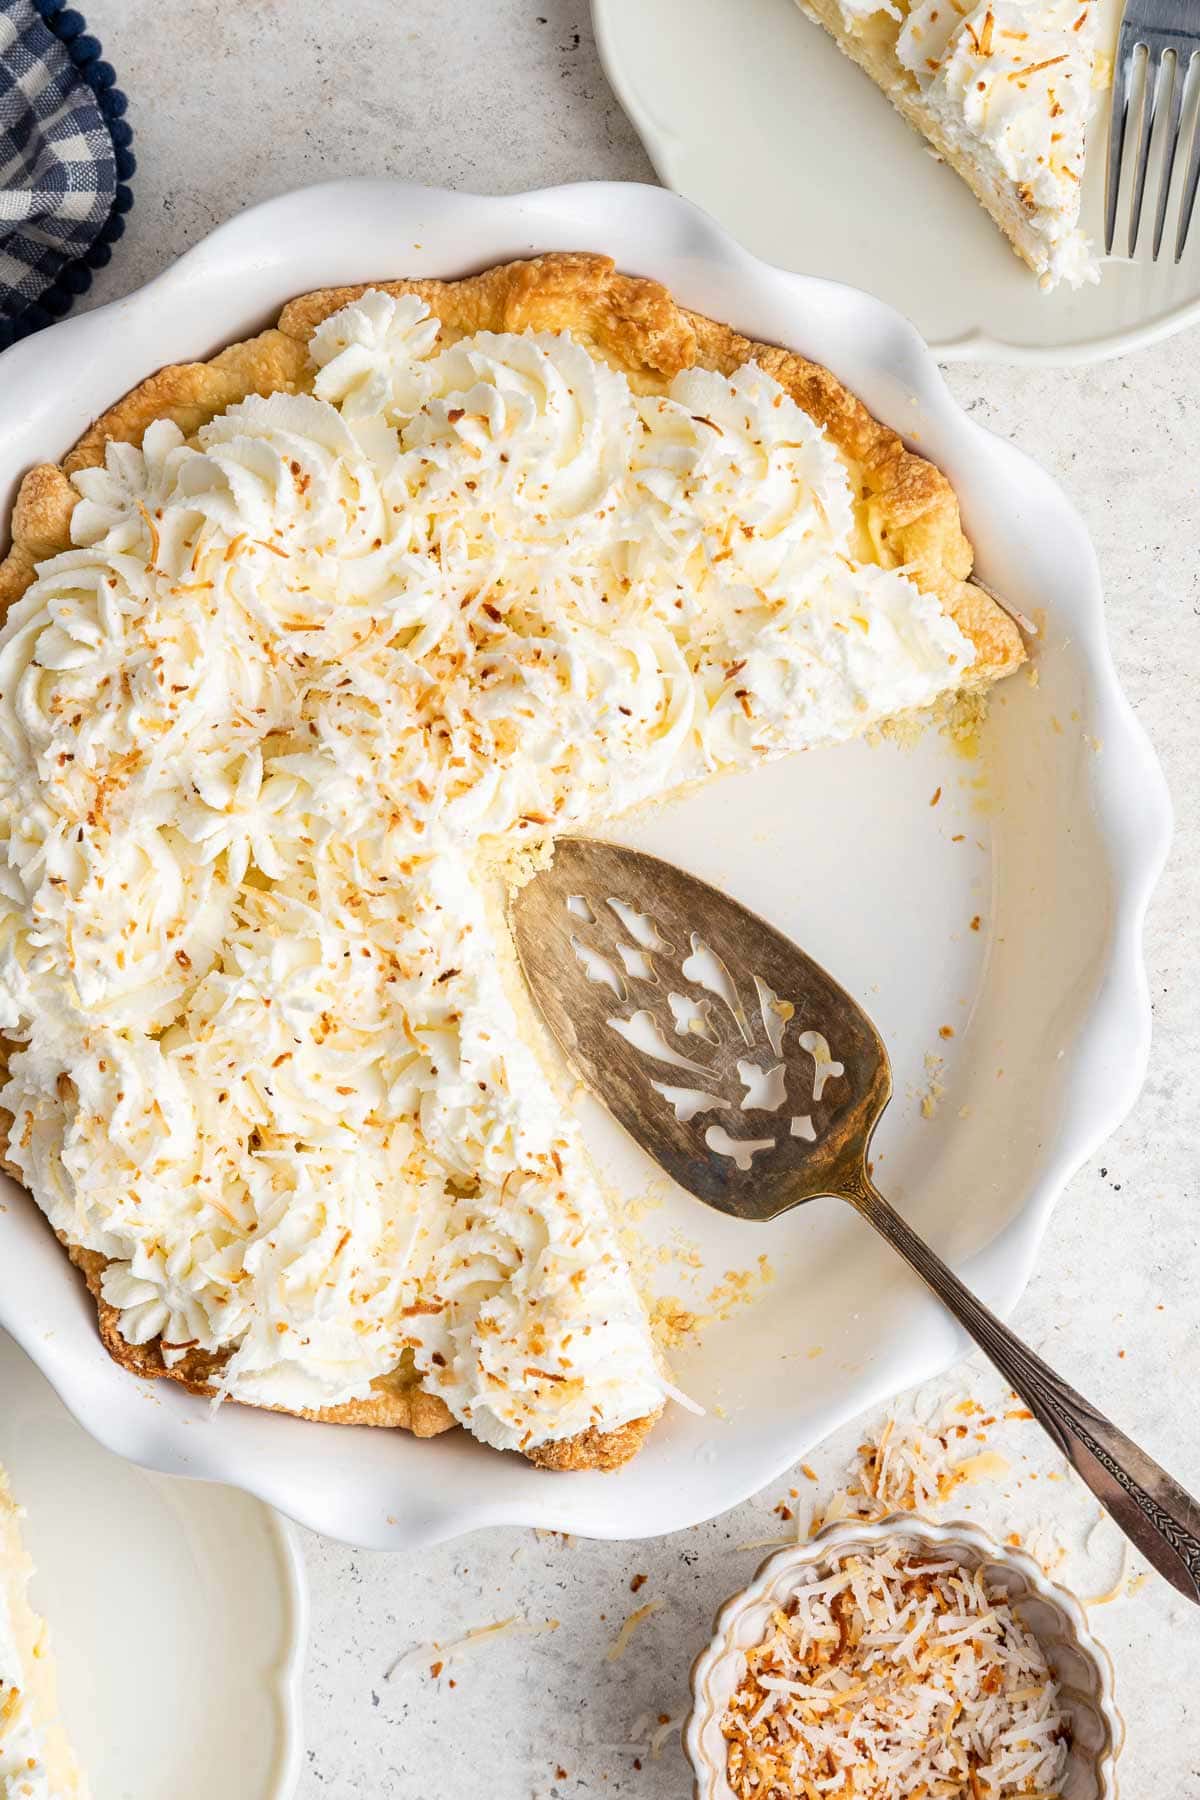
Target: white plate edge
(659, 145)
(282, 1682)
(288, 1675)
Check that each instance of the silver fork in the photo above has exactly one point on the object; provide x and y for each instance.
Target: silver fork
(1160, 38)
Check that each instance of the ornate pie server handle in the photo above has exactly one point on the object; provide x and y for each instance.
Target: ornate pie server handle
(1153, 1511)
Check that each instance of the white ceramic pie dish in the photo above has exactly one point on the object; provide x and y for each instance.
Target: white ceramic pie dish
(1051, 839)
(1081, 1666)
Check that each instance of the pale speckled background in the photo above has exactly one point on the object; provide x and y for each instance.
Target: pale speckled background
(235, 102)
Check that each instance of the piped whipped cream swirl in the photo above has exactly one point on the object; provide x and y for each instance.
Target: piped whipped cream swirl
(1010, 85)
(255, 728)
(24, 1752)
(23, 1771)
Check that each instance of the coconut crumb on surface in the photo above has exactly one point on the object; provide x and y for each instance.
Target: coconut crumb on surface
(935, 1087)
(620, 1643)
(913, 1467)
(740, 1287)
(965, 721)
(964, 1448)
(432, 1658)
(907, 1466)
(674, 1320)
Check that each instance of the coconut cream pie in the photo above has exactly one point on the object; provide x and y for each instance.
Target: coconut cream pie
(306, 646)
(36, 1762)
(1003, 89)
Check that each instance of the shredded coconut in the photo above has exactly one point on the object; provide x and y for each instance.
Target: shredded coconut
(660, 1734)
(434, 1656)
(621, 1641)
(915, 1467)
(897, 1672)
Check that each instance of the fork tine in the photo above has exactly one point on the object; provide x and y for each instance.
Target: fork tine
(1117, 120)
(1149, 111)
(1187, 204)
(1176, 73)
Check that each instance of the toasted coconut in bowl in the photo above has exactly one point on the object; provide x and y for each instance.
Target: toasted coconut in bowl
(906, 1657)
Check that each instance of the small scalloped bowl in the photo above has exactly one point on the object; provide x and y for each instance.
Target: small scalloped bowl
(1081, 1665)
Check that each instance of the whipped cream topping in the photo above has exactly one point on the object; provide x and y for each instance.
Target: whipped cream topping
(24, 1774)
(1009, 83)
(257, 728)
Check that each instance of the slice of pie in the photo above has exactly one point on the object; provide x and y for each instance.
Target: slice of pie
(36, 1762)
(1003, 90)
(307, 648)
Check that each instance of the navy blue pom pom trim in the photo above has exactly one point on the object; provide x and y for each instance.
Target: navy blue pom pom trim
(75, 276)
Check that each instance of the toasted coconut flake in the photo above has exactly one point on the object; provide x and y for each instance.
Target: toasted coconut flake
(621, 1642)
(896, 1671)
(423, 1656)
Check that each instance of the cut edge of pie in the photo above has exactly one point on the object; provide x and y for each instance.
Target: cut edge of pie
(909, 512)
(1049, 241)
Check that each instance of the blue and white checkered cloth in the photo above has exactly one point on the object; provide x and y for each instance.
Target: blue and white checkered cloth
(64, 162)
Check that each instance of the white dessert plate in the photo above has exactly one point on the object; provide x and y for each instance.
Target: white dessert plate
(1048, 841)
(177, 1611)
(752, 111)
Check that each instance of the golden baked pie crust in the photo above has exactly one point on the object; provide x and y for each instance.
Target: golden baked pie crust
(636, 326)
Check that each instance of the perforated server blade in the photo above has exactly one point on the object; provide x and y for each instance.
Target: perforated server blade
(756, 1081)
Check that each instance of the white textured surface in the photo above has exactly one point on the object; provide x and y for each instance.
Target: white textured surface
(234, 103)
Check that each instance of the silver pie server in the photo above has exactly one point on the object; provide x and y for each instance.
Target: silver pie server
(756, 1082)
